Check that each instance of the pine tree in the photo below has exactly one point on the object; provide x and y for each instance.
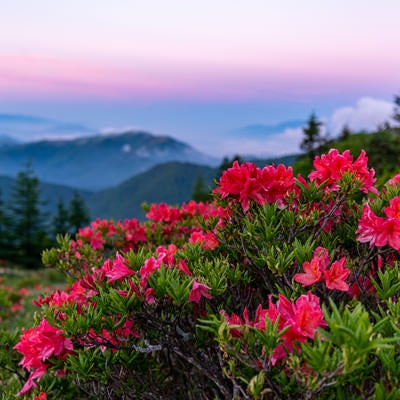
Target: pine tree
(200, 191)
(27, 219)
(313, 138)
(61, 223)
(396, 111)
(78, 213)
(346, 132)
(5, 231)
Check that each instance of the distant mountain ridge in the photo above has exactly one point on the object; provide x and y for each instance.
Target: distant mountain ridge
(6, 140)
(26, 128)
(172, 182)
(97, 162)
(259, 130)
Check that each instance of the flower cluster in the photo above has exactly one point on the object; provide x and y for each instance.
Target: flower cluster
(381, 231)
(330, 169)
(247, 182)
(11, 301)
(298, 319)
(296, 265)
(123, 235)
(38, 345)
(317, 270)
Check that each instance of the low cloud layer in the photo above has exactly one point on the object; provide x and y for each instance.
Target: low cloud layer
(367, 114)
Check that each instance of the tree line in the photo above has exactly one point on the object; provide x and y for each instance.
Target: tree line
(382, 147)
(26, 229)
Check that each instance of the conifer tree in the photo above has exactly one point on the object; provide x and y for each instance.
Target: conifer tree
(5, 231)
(78, 213)
(313, 138)
(61, 224)
(200, 191)
(396, 111)
(346, 132)
(27, 219)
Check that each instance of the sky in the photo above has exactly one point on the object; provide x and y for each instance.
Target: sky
(200, 71)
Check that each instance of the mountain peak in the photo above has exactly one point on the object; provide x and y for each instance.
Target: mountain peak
(99, 161)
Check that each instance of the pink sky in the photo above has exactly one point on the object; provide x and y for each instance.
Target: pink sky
(196, 49)
(174, 65)
(35, 76)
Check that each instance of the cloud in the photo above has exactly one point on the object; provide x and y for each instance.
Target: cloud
(367, 114)
(283, 143)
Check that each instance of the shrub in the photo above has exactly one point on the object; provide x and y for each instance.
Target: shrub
(283, 287)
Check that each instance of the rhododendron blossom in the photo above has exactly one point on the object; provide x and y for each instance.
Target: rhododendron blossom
(330, 168)
(380, 231)
(302, 318)
(317, 270)
(118, 270)
(199, 290)
(277, 183)
(248, 182)
(314, 269)
(163, 212)
(335, 276)
(394, 181)
(37, 345)
(208, 240)
(393, 211)
(226, 297)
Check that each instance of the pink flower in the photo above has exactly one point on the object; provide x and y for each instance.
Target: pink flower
(314, 269)
(149, 296)
(182, 266)
(234, 319)
(247, 182)
(302, 318)
(23, 292)
(394, 181)
(37, 345)
(369, 227)
(391, 232)
(150, 265)
(41, 396)
(94, 238)
(277, 183)
(380, 231)
(119, 269)
(208, 240)
(242, 182)
(330, 168)
(166, 255)
(164, 212)
(335, 276)
(199, 290)
(308, 315)
(393, 211)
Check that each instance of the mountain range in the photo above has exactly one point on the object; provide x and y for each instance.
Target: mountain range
(97, 162)
(114, 173)
(171, 183)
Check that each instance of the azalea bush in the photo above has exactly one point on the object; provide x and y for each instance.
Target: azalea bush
(282, 287)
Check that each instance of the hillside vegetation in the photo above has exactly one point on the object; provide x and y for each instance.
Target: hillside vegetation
(97, 162)
(382, 148)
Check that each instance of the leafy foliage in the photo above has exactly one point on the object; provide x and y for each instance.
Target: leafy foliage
(282, 287)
